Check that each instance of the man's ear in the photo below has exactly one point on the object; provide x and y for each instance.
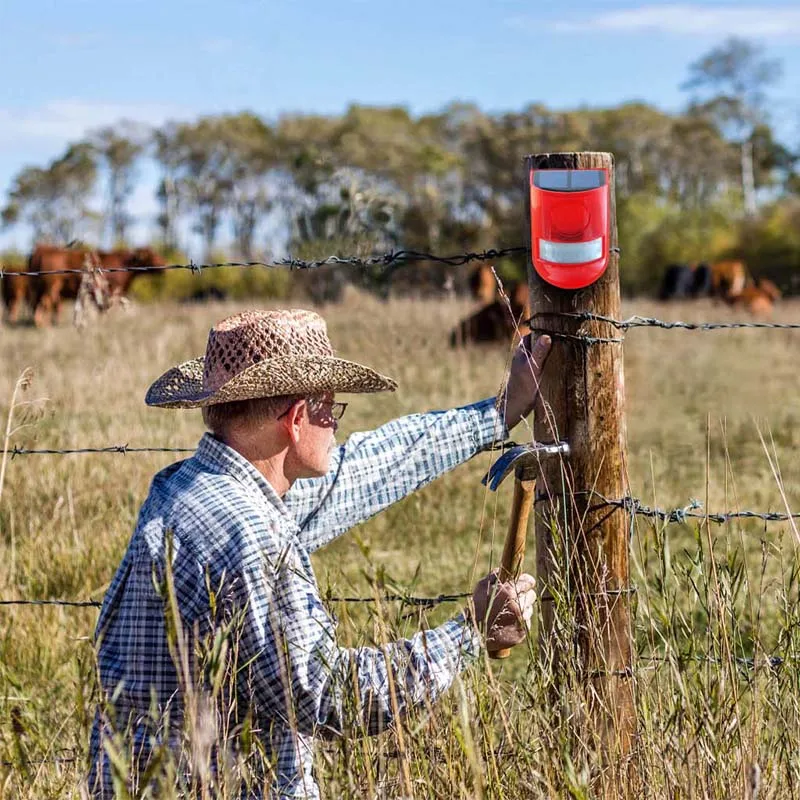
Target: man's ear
(293, 420)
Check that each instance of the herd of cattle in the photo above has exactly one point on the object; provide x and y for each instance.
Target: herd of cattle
(44, 292)
(503, 311)
(729, 281)
(73, 273)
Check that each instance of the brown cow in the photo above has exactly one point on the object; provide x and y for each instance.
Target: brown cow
(728, 278)
(495, 322)
(17, 291)
(137, 260)
(51, 289)
(754, 300)
(769, 288)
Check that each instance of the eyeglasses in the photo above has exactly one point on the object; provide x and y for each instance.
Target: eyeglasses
(336, 409)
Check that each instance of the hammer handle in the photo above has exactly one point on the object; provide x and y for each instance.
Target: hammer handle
(514, 549)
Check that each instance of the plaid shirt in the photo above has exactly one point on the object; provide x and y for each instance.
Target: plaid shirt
(237, 549)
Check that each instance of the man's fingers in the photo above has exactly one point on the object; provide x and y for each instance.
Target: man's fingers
(541, 349)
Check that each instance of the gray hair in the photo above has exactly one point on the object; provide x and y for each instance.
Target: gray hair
(220, 417)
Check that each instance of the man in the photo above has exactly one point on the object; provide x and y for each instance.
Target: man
(215, 602)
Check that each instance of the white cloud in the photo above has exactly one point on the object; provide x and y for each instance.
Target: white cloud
(63, 120)
(685, 20)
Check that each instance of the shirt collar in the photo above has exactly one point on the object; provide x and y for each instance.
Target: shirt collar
(216, 456)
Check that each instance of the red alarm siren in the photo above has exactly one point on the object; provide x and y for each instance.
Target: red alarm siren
(569, 225)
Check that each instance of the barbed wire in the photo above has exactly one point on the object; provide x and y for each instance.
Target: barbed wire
(410, 600)
(629, 503)
(693, 510)
(122, 449)
(390, 259)
(637, 321)
(36, 762)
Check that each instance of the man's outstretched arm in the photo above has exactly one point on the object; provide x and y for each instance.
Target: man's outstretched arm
(373, 470)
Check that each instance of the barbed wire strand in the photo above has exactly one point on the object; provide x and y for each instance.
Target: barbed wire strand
(637, 321)
(392, 258)
(693, 510)
(411, 600)
(124, 449)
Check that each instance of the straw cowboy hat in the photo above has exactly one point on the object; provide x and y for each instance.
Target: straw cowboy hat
(263, 354)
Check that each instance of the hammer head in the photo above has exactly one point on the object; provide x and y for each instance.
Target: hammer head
(524, 458)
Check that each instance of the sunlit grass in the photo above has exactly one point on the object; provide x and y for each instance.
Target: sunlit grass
(713, 416)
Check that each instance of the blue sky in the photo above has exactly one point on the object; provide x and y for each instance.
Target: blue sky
(73, 65)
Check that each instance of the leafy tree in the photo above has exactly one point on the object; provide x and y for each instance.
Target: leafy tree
(168, 154)
(737, 74)
(119, 149)
(54, 201)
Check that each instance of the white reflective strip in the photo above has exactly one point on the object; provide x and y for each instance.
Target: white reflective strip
(570, 252)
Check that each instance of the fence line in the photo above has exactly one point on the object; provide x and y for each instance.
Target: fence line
(410, 600)
(124, 449)
(390, 259)
(637, 321)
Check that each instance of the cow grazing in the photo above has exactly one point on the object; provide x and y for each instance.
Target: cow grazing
(494, 322)
(754, 300)
(677, 283)
(702, 280)
(138, 260)
(728, 278)
(50, 288)
(769, 288)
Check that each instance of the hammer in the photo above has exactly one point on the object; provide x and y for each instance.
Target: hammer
(522, 459)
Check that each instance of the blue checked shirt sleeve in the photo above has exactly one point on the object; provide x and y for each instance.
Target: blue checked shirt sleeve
(301, 677)
(370, 471)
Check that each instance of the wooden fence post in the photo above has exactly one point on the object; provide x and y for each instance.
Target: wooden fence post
(582, 546)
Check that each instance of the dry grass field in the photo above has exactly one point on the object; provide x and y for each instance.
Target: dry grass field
(710, 415)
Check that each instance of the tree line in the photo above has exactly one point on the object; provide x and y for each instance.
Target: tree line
(710, 181)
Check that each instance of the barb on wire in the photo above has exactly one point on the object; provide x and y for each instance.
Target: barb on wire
(115, 448)
(577, 337)
(692, 511)
(651, 322)
(391, 259)
(771, 661)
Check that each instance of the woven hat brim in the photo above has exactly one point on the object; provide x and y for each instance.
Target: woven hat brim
(182, 386)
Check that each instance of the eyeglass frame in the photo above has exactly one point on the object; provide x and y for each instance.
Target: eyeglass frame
(337, 408)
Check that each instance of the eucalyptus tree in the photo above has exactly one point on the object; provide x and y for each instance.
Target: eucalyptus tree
(732, 80)
(54, 201)
(119, 148)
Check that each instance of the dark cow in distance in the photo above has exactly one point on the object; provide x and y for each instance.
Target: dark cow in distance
(53, 285)
(495, 322)
(678, 282)
(689, 281)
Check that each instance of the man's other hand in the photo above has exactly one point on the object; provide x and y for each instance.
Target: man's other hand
(503, 610)
(522, 388)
